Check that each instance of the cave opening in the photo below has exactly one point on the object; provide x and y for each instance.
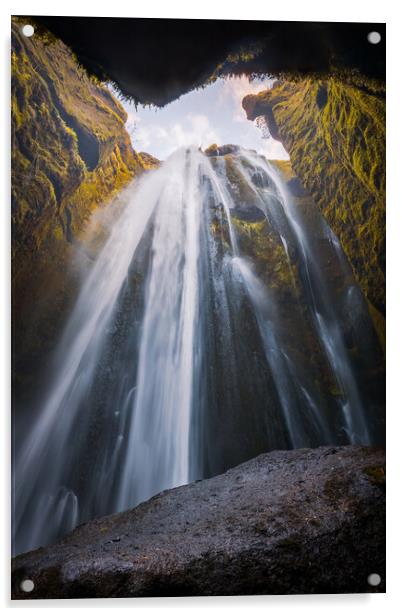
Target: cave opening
(209, 115)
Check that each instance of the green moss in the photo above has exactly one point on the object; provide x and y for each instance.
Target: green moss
(148, 161)
(285, 169)
(267, 253)
(376, 475)
(379, 324)
(58, 232)
(239, 188)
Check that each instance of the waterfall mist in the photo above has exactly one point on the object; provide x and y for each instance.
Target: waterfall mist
(178, 360)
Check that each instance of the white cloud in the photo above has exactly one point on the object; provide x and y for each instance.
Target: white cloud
(132, 116)
(141, 137)
(236, 88)
(273, 150)
(194, 129)
(200, 118)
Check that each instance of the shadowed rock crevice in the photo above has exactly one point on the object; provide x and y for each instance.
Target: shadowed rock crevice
(287, 522)
(322, 96)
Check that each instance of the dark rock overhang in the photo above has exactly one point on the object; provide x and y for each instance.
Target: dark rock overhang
(156, 60)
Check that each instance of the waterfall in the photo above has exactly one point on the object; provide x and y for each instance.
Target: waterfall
(157, 455)
(177, 361)
(328, 321)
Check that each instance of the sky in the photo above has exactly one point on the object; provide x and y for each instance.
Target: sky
(202, 117)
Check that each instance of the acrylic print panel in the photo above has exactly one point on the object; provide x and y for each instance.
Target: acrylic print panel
(198, 307)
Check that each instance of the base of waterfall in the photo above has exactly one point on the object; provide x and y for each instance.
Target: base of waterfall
(286, 522)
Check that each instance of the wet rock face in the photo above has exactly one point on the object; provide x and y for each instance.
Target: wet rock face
(221, 150)
(301, 521)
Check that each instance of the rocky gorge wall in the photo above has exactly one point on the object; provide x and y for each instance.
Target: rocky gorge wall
(70, 155)
(334, 132)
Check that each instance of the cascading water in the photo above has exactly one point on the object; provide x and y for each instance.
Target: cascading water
(178, 362)
(157, 455)
(328, 321)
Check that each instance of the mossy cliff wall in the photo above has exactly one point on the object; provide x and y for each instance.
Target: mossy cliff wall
(334, 132)
(70, 154)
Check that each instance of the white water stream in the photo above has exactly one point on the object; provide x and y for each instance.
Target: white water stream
(155, 381)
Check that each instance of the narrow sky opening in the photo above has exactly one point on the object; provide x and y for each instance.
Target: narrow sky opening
(210, 115)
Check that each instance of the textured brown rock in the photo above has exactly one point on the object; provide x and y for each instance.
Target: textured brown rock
(221, 150)
(302, 521)
(149, 161)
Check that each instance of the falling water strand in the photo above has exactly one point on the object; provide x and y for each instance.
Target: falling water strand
(157, 456)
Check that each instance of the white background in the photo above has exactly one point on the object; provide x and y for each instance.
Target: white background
(292, 10)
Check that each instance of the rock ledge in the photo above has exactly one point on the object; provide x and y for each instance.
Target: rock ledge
(302, 521)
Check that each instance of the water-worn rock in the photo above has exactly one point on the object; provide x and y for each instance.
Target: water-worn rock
(302, 521)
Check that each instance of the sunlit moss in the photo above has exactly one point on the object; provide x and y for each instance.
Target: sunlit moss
(238, 185)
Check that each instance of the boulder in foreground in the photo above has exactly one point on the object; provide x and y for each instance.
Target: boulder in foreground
(286, 522)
